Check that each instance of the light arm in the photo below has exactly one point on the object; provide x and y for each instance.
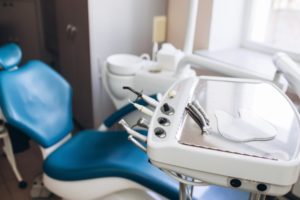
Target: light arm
(216, 66)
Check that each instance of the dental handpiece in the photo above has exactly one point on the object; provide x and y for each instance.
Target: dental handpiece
(146, 98)
(194, 117)
(132, 132)
(143, 109)
(199, 107)
(142, 122)
(201, 118)
(150, 100)
(198, 117)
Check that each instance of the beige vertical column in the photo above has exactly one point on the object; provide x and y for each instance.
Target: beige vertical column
(177, 17)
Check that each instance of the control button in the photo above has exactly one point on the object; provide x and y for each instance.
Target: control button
(261, 187)
(159, 132)
(163, 121)
(235, 183)
(166, 109)
(172, 94)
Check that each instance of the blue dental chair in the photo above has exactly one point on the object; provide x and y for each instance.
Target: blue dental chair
(91, 164)
(37, 100)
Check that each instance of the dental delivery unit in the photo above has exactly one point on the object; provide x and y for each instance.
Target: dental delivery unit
(223, 131)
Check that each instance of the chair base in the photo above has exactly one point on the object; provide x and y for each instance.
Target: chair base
(8, 150)
(100, 188)
(134, 194)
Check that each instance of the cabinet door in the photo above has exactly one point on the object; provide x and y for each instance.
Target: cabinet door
(20, 22)
(74, 53)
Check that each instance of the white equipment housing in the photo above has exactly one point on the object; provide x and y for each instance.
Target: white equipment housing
(290, 69)
(145, 75)
(237, 109)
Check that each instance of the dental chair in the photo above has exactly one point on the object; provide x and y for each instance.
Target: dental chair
(91, 164)
(10, 57)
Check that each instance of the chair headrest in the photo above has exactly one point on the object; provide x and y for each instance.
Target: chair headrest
(10, 56)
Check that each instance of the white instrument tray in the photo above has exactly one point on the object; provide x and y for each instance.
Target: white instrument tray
(253, 140)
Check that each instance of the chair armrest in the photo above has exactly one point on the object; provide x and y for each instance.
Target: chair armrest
(122, 112)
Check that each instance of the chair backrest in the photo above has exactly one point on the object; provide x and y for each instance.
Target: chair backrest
(10, 55)
(37, 100)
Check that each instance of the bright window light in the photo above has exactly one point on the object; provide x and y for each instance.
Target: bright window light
(275, 24)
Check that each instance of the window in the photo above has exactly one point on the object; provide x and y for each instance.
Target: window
(273, 25)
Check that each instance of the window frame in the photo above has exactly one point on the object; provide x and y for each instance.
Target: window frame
(252, 45)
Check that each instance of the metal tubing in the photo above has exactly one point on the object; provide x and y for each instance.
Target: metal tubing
(183, 195)
(257, 196)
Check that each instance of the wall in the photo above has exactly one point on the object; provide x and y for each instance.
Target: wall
(226, 24)
(118, 26)
(177, 20)
(219, 23)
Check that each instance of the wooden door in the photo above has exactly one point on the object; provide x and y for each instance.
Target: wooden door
(20, 22)
(74, 55)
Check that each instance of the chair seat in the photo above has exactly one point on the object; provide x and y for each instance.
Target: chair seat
(93, 154)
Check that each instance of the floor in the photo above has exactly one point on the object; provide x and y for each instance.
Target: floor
(29, 163)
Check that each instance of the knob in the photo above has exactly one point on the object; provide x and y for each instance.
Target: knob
(159, 132)
(235, 183)
(71, 31)
(261, 187)
(163, 121)
(166, 109)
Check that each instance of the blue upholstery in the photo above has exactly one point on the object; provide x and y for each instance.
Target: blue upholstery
(37, 100)
(10, 55)
(112, 155)
(122, 112)
(92, 154)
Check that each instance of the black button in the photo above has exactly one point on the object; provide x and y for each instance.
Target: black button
(163, 121)
(166, 107)
(159, 132)
(235, 183)
(261, 187)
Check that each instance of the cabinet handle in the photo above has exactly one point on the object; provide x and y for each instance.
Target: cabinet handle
(71, 31)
